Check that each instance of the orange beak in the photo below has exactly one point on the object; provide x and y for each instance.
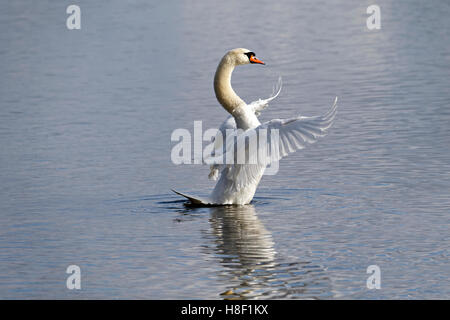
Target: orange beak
(253, 59)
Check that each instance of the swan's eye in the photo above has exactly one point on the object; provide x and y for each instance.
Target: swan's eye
(249, 54)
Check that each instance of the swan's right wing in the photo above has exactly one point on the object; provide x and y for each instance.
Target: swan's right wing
(259, 105)
(295, 133)
(291, 135)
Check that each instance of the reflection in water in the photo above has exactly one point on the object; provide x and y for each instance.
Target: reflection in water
(252, 268)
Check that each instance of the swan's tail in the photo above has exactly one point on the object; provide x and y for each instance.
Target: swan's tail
(193, 200)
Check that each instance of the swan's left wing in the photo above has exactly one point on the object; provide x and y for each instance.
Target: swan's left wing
(219, 148)
(258, 105)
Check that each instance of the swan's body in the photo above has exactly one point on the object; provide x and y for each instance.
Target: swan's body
(238, 182)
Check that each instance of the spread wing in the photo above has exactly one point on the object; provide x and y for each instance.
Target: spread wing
(289, 136)
(296, 133)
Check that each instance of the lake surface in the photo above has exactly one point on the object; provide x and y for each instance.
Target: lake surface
(86, 118)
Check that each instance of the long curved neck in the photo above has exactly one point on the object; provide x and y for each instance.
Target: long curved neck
(222, 86)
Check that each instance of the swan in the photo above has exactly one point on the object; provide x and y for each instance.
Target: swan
(237, 182)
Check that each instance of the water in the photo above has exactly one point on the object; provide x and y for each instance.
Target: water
(85, 123)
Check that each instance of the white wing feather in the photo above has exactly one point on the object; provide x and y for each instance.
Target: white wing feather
(228, 124)
(258, 105)
(294, 134)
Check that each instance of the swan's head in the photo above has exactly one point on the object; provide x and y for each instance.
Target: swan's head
(242, 56)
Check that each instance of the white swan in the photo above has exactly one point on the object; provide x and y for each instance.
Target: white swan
(238, 182)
